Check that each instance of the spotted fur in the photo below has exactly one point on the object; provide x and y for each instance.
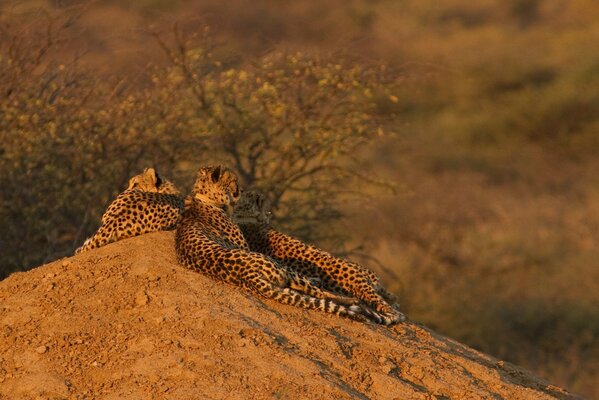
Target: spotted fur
(149, 204)
(208, 241)
(252, 214)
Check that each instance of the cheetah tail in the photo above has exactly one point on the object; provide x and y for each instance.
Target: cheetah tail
(306, 286)
(84, 247)
(291, 297)
(103, 236)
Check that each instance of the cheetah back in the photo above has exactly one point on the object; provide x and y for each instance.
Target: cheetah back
(142, 208)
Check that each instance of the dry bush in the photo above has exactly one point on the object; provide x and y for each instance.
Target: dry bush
(69, 142)
(291, 125)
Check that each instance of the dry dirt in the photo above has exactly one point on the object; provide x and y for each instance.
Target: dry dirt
(126, 322)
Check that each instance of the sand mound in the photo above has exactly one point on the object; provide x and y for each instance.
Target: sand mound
(125, 321)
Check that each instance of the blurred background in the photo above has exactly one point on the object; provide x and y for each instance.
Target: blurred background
(451, 146)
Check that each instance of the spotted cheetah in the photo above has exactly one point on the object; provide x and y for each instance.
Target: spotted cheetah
(149, 204)
(208, 241)
(252, 214)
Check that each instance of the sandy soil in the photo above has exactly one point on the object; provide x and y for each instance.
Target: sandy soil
(125, 321)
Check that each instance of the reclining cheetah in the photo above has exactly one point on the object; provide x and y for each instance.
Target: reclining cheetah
(208, 241)
(252, 214)
(149, 204)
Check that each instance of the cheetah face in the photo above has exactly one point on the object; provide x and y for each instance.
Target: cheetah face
(217, 185)
(146, 181)
(253, 206)
(150, 181)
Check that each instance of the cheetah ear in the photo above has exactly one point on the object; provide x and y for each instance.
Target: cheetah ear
(151, 172)
(216, 174)
(133, 183)
(158, 179)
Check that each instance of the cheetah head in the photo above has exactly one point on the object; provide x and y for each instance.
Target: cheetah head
(253, 206)
(217, 185)
(150, 181)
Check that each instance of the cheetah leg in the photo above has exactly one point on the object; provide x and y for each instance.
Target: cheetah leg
(387, 295)
(371, 292)
(304, 255)
(291, 297)
(305, 285)
(372, 298)
(316, 281)
(336, 290)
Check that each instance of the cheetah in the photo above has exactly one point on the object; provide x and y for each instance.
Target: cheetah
(208, 241)
(252, 214)
(149, 204)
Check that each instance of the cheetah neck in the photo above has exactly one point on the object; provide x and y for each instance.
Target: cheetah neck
(246, 220)
(255, 220)
(204, 199)
(208, 201)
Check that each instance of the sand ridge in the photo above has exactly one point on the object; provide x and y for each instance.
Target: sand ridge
(126, 321)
